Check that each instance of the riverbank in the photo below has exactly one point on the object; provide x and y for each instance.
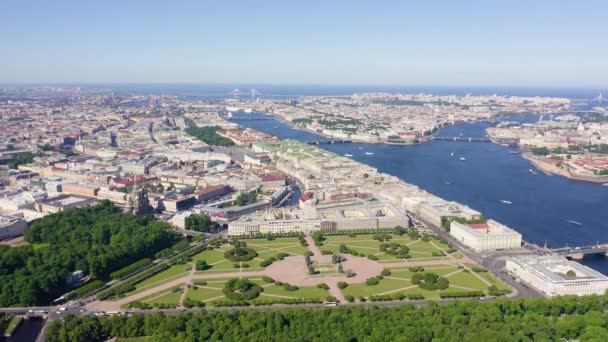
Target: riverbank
(552, 167)
(378, 140)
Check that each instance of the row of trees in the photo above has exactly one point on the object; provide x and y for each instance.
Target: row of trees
(97, 240)
(467, 320)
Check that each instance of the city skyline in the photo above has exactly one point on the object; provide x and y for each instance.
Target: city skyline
(439, 43)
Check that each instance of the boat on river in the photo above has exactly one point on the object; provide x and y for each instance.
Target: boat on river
(575, 223)
(463, 158)
(506, 202)
(533, 172)
(348, 155)
(369, 153)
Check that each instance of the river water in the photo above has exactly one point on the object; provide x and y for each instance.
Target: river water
(541, 205)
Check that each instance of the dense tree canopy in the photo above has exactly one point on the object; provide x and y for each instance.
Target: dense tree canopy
(207, 134)
(503, 320)
(97, 240)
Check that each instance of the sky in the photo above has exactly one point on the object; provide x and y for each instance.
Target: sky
(558, 43)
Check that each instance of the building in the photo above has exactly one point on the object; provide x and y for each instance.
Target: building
(435, 211)
(212, 192)
(485, 236)
(63, 203)
(340, 216)
(11, 227)
(557, 276)
(79, 189)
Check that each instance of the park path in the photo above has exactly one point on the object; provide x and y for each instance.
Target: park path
(313, 247)
(107, 305)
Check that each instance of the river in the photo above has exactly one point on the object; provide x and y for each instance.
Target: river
(541, 205)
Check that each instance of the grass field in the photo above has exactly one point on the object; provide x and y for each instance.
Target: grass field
(271, 290)
(172, 273)
(366, 245)
(385, 285)
(269, 248)
(264, 248)
(400, 282)
(166, 297)
(468, 280)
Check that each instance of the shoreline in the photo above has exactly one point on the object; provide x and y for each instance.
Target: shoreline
(550, 169)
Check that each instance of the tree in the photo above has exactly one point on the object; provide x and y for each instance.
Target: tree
(252, 197)
(199, 223)
(97, 240)
(340, 269)
(202, 265)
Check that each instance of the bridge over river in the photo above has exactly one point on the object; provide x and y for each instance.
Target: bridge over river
(579, 252)
(463, 139)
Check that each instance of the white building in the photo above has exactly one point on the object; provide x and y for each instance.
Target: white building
(11, 227)
(246, 227)
(486, 236)
(556, 275)
(434, 211)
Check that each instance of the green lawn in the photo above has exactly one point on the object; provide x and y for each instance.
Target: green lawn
(303, 292)
(205, 293)
(400, 279)
(467, 280)
(385, 285)
(172, 273)
(210, 256)
(167, 297)
(268, 248)
(364, 244)
(171, 298)
(494, 281)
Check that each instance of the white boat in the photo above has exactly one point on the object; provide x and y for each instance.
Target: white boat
(248, 110)
(369, 153)
(575, 223)
(348, 155)
(506, 202)
(605, 184)
(229, 115)
(462, 158)
(452, 154)
(232, 109)
(533, 172)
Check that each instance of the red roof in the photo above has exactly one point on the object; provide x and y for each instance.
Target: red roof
(479, 226)
(271, 178)
(306, 196)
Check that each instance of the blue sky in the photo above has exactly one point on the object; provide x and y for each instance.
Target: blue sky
(557, 43)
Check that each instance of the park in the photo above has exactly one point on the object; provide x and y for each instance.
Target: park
(324, 267)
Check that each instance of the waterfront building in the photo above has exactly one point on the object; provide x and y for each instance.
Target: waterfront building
(435, 211)
(485, 236)
(557, 276)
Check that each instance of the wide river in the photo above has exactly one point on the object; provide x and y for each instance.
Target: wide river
(541, 205)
